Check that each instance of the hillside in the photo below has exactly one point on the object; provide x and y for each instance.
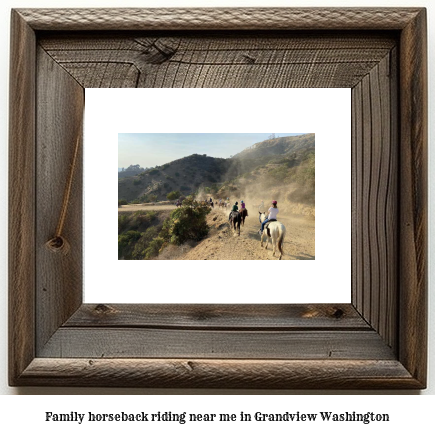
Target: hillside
(131, 170)
(277, 167)
(185, 175)
(285, 178)
(283, 146)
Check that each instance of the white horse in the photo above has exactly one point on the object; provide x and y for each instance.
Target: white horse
(277, 234)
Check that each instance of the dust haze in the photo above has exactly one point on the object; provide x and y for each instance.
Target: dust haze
(222, 243)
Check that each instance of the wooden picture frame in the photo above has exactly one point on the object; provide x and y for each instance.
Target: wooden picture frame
(376, 342)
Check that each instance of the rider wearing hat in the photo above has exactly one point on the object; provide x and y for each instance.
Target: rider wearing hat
(273, 212)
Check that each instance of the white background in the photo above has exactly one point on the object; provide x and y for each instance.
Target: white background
(411, 413)
(325, 112)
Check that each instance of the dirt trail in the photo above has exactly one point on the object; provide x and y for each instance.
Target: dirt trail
(144, 207)
(223, 244)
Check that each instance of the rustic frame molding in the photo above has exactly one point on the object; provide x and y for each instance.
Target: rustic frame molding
(377, 341)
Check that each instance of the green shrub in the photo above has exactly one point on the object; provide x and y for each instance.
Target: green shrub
(173, 195)
(142, 244)
(136, 231)
(186, 223)
(139, 220)
(122, 222)
(126, 243)
(154, 248)
(146, 218)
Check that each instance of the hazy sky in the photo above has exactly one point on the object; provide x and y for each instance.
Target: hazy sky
(155, 149)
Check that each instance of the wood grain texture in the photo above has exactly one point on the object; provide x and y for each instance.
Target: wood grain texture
(379, 342)
(21, 197)
(220, 317)
(392, 299)
(95, 342)
(220, 18)
(229, 374)
(413, 188)
(60, 105)
(235, 60)
(388, 323)
(375, 198)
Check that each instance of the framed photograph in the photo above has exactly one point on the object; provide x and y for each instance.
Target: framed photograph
(227, 167)
(375, 341)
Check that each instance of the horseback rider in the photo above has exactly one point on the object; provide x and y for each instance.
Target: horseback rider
(235, 208)
(273, 212)
(243, 207)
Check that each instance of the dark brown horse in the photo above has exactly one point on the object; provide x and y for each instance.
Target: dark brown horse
(235, 220)
(243, 215)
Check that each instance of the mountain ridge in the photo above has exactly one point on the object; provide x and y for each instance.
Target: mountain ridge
(275, 158)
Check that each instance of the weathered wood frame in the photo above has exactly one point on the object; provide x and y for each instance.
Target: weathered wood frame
(377, 341)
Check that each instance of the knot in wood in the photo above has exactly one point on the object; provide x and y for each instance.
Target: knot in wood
(58, 244)
(338, 313)
(103, 309)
